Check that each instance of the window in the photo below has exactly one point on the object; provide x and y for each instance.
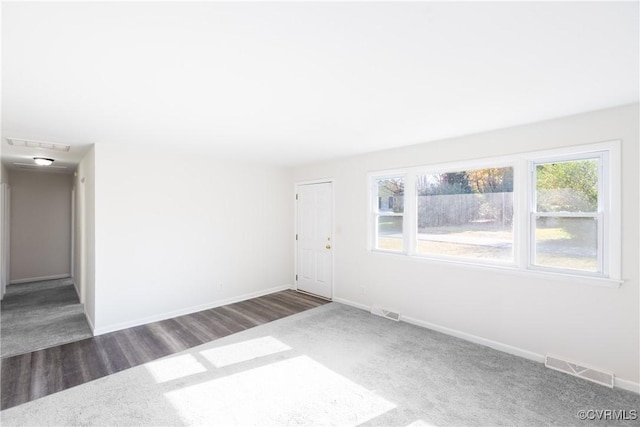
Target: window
(389, 215)
(554, 211)
(567, 214)
(467, 214)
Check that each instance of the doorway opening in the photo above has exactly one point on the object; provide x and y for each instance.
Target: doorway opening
(42, 304)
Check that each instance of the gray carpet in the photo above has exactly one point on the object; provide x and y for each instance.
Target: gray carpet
(332, 365)
(39, 315)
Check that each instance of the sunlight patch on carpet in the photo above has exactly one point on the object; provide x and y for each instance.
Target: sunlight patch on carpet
(174, 367)
(420, 423)
(294, 391)
(244, 351)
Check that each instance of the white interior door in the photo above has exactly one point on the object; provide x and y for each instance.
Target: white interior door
(314, 226)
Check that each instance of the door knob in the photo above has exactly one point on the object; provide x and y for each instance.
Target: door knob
(328, 246)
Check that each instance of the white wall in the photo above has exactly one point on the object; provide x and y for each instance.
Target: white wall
(40, 226)
(598, 326)
(172, 226)
(4, 174)
(84, 262)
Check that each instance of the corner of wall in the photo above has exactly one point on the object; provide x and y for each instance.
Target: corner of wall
(84, 273)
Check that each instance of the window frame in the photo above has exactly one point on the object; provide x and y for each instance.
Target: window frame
(524, 193)
(475, 165)
(600, 215)
(375, 213)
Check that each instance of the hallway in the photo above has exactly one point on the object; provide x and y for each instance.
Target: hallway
(40, 315)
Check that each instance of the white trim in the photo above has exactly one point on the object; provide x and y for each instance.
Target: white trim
(181, 312)
(609, 215)
(434, 168)
(410, 228)
(40, 279)
(73, 238)
(592, 215)
(375, 214)
(352, 303)
(521, 229)
(455, 333)
(496, 345)
(626, 385)
(5, 231)
(315, 181)
(603, 215)
(469, 264)
(86, 315)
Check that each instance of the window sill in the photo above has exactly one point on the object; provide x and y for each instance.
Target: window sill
(510, 269)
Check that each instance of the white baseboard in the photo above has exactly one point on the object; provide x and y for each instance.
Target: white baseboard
(181, 312)
(516, 351)
(75, 285)
(352, 303)
(626, 385)
(86, 315)
(39, 279)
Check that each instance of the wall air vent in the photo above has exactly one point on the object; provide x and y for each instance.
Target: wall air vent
(385, 313)
(38, 144)
(576, 370)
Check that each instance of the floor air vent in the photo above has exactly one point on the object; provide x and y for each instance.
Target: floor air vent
(589, 374)
(385, 313)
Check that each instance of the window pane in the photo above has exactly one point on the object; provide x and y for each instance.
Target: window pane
(570, 243)
(466, 214)
(390, 194)
(567, 186)
(390, 233)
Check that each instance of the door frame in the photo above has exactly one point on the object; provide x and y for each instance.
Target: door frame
(296, 185)
(5, 237)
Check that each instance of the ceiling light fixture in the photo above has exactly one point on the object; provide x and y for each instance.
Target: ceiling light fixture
(43, 161)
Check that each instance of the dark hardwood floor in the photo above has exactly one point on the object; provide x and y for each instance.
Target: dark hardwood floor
(33, 375)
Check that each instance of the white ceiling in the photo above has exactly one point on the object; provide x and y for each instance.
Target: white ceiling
(290, 83)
